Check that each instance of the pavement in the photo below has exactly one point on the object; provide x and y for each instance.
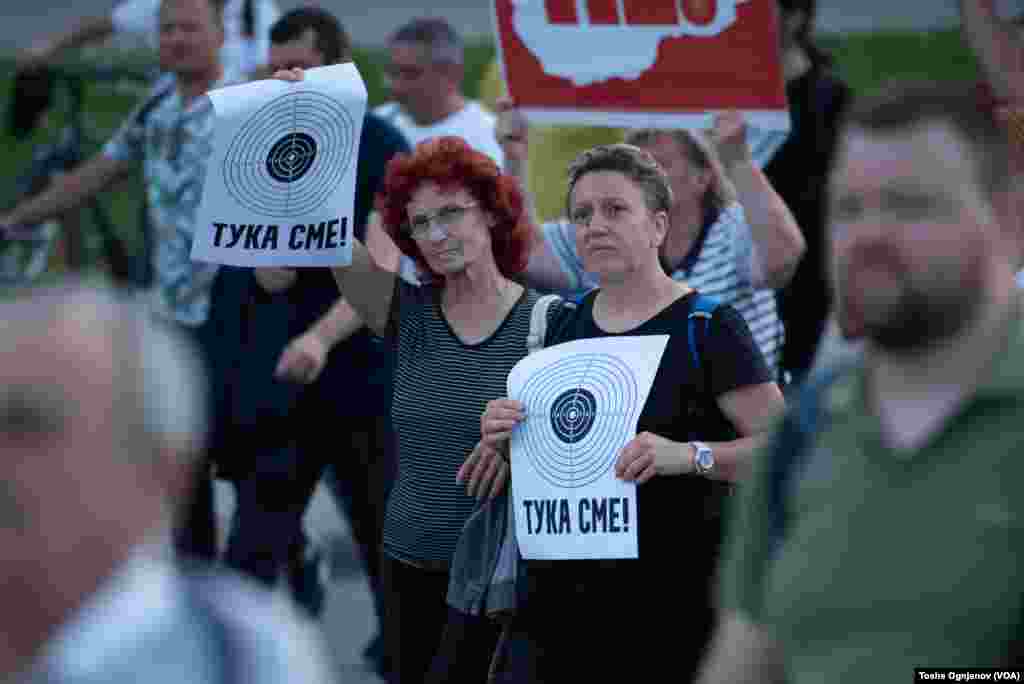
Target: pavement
(348, 621)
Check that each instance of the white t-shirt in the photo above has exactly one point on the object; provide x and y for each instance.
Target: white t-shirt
(472, 123)
(240, 54)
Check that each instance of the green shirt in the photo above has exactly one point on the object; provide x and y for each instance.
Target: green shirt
(893, 559)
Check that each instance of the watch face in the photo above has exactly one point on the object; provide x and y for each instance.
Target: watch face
(705, 459)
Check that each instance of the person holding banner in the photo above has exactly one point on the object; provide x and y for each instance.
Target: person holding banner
(344, 369)
(817, 96)
(695, 435)
(455, 339)
(451, 209)
(730, 234)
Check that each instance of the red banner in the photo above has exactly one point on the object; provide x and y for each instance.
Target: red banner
(668, 63)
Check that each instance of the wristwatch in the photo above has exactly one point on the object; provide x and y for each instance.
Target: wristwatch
(703, 458)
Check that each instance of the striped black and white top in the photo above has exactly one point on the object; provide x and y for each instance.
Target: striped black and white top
(441, 387)
(722, 270)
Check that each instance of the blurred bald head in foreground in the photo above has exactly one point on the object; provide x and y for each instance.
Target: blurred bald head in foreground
(102, 414)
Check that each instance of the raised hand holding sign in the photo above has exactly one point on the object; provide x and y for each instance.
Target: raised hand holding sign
(280, 185)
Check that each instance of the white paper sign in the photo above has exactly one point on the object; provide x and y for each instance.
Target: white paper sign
(280, 183)
(583, 400)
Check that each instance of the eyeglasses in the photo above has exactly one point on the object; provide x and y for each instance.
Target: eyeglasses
(418, 227)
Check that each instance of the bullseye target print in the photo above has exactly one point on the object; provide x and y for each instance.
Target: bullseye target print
(578, 408)
(288, 157)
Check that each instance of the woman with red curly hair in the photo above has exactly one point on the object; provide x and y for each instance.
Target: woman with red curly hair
(456, 336)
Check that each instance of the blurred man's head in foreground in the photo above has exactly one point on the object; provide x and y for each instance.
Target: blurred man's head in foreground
(101, 417)
(918, 220)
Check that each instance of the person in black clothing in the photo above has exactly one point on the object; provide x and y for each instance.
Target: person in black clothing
(798, 172)
(640, 618)
(344, 370)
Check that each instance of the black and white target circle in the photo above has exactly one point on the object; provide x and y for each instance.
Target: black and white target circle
(580, 407)
(290, 155)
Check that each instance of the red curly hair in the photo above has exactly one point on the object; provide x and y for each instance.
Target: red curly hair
(451, 163)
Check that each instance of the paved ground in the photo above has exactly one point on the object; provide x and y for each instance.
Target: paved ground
(370, 25)
(348, 619)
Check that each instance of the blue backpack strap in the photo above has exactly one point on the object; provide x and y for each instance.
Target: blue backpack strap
(701, 311)
(791, 447)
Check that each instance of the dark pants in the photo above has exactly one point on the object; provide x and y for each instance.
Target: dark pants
(607, 626)
(466, 650)
(195, 539)
(360, 478)
(271, 499)
(272, 496)
(416, 616)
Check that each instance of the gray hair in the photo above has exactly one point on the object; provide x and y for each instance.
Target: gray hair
(173, 385)
(160, 383)
(443, 43)
(632, 162)
(701, 153)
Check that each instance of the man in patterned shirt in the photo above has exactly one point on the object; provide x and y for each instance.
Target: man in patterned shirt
(170, 134)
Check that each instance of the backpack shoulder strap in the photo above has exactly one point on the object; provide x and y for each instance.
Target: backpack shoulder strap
(697, 324)
(389, 112)
(792, 445)
(539, 323)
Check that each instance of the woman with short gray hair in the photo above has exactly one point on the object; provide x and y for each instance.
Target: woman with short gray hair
(712, 399)
(730, 234)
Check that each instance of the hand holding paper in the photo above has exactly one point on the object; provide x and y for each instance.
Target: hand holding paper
(280, 182)
(582, 402)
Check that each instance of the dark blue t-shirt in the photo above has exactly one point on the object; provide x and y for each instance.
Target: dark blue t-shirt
(358, 371)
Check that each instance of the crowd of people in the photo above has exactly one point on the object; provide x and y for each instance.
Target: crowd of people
(868, 528)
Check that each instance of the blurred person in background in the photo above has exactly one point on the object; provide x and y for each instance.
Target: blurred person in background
(998, 42)
(102, 420)
(170, 135)
(345, 369)
(799, 173)
(877, 534)
(424, 72)
(246, 33)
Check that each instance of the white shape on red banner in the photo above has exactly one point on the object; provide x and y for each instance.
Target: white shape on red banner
(588, 52)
